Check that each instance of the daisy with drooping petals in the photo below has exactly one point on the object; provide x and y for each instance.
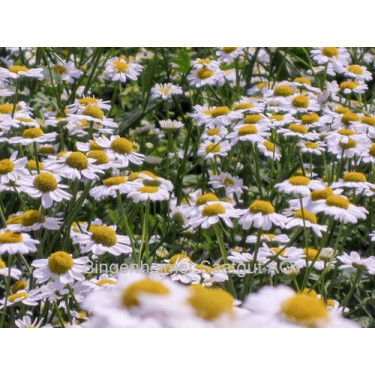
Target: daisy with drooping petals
(14, 272)
(269, 238)
(212, 148)
(25, 297)
(261, 214)
(228, 54)
(47, 187)
(357, 72)
(110, 187)
(338, 56)
(206, 75)
(254, 133)
(353, 262)
(19, 71)
(14, 242)
(305, 219)
(269, 149)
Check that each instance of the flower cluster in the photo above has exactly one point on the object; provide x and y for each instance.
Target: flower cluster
(228, 191)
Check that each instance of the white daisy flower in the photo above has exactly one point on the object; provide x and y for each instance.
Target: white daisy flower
(74, 165)
(101, 239)
(120, 69)
(32, 220)
(214, 147)
(358, 87)
(296, 130)
(281, 307)
(81, 104)
(315, 148)
(14, 272)
(261, 214)
(67, 71)
(61, 268)
(338, 56)
(47, 187)
(305, 219)
(120, 150)
(269, 149)
(340, 208)
(254, 133)
(228, 54)
(212, 212)
(353, 262)
(353, 180)
(299, 185)
(171, 125)
(165, 91)
(231, 184)
(28, 298)
(269, 238)
(200, 77)
(12, 169)
(357, 72)
(32, 135)
(18, 71)
(110, 187)
(13, 243)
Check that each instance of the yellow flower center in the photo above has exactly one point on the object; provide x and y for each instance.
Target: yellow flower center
(32, 133)
(261, 206)
(32, 217)
(228, 181)
(47, 150)
(93, 111)
(60, 262)
(17, 219)
(19, 285)
(220, 111)
(122, 146)
(6, 108)
(112, 181)
(204, 73)
(213, 210)
(240, 106)
(229, 49)
(252, 119)
(356, 69)
(214, 131)
(77, 160)
(2, 264)
(100, 156)
(372, 150)
(277, 117)
(349, 117)
(330, 51)
(178, 257)
(6, 166)
(299, 180)
(346, 132)
(310, 118)
(59, 69)
(283, 90)
(305, 309)
(45, 182)
(135, 175)
(210, 304)
(269, 146)
(121, 66)
(321, 194)
(10, 237)
(350, 144)
(203, 199)
(88, 101)
(269, 235)
(18, 68)
(354, 177)
(24, 119)
(32, 165)
(368, 120)
(248, 129)
(351, 85)
(213, 148)
(105, 282)
(297, 128)
(301, 101)
(307, 215)
(148, 189)
(103, 235)
(342, 110)
(337, 201)
(14, 297)
(303, 80)
(277, 251)
(130, 296)
(311, 145)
